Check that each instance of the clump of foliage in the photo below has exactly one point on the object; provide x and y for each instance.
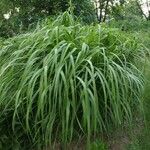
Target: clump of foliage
(66, 80)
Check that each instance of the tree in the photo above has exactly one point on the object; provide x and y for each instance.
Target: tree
(31, 11)
(146, 5)
(102, 9)
(105, 8)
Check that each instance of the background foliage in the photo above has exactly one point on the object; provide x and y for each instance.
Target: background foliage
(30, 12)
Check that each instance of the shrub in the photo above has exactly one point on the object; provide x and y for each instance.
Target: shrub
(66, 80)
(131, 24)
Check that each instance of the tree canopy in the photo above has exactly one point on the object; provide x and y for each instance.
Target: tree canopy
(19, 15)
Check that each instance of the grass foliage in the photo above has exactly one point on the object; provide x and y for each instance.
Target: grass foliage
(65, 80)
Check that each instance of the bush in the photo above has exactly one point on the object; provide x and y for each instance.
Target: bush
(130, 24)
(66, 80)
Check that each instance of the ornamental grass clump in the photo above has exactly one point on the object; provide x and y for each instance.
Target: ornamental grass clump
(65, 80)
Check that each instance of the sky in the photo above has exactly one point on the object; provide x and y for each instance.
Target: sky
(145, 7)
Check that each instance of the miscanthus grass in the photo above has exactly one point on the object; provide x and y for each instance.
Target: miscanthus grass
(65, 80)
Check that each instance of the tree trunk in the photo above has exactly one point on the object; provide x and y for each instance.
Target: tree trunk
(106, 10)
